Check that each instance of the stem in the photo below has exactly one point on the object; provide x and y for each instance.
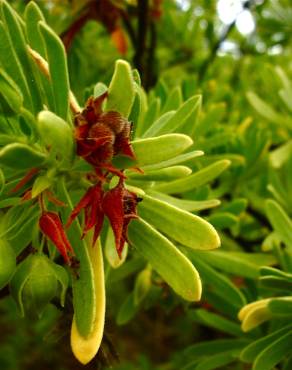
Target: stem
(141, 36)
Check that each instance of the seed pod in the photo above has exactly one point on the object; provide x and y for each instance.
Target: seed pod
(36, 281)
(7, 262)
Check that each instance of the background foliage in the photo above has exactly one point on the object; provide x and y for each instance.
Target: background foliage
(183, 49)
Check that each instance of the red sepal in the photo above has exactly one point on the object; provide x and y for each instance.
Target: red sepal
(119, 205)
(51, 226)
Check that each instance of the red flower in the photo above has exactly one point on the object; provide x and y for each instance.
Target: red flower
(102, 135)
(119, 205)
(99, 137)
(91, 203)
(51, 226)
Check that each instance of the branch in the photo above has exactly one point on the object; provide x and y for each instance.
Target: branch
(141, 36)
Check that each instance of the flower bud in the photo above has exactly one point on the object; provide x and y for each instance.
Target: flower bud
(36, 282)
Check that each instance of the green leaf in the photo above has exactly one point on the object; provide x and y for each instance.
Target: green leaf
(267, 111)
(195, 180)
(99, 89)
(127, 311)
(174, 100)
(21, 156)
(121, 90)
(11, 64)
(10, 92)
(186, 158)
(138, 110)
(251, 351)
(111, 252)
(211, 347)
(151, 114)
(188, 229)
(218, 282)
(280, 221)
(185, 204)
(41, 183)
(254, 314)
(281, 306)
(163, 174)
(166, 259)
(216, 361)
(56, 58)
(223, 220)
(215, 321)
(273, 353)
(32, 16)
(158, 123)
(178, 120)
(237, 263)
(2, 181)
(7, 262)
(57, 135)
(161, 148)
(19, 44)
(142, 285)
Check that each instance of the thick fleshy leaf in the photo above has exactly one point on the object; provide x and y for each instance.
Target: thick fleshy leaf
(41, 183)
(10, 92)
(188, 229)
(121, 90)
(281, 306)
(195, 180)
(161, 148)
(166, 259)
(219, 282)
(142, 285)
(177, 121)
(56, 58)
(159, 122)
(7, 262)
(265, 110)
(238, 263)
(111, 253)
(185, 204)
(274, 353)
(254, 314)
(251, 351)
(19, 44)
(163, 174)
(10, 62)
(57, 135)
(2, 181)
(86, 346)
(187, 159)
(34, 284)
(215, 321)
(280, 222)
(21, 156)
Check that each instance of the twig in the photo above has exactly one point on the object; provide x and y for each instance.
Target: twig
(141, 36)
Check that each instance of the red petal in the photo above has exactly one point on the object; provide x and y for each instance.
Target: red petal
(112, 206)
(51, 226)
(98, 227)
(93, 211)
(83, 203)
